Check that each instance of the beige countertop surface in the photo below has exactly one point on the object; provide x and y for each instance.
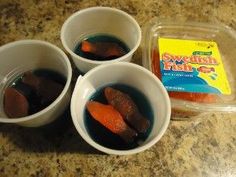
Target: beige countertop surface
(204, 146)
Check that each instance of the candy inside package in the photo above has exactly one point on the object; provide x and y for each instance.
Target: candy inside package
(196, 63)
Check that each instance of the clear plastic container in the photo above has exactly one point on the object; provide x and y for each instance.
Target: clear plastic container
(191, 102)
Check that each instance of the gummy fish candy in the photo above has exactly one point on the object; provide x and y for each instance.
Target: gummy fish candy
(127, 108)
(15, 103)
(49, 90)
(111, 119)
(104, 50)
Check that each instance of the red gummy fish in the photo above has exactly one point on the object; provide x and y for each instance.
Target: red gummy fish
(103, 49)
(15, 104)
(127, 108)
(205, 69)
(111, 119)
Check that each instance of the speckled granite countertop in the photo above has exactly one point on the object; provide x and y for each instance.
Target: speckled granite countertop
(205, 146)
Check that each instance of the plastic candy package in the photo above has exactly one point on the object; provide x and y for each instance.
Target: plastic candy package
(195, 62)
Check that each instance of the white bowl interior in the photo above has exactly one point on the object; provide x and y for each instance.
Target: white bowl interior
(18, 57)
(29, 54)
(100, 20)
(131, 75)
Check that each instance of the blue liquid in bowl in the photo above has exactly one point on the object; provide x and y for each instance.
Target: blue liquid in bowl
(106, 138)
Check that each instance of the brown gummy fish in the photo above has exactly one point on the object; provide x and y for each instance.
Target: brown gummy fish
(15, 103)
(127, 108)
(111, 119)
(49, 90)
(103, 49)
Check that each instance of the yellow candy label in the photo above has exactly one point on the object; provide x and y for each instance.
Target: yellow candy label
(192, 66)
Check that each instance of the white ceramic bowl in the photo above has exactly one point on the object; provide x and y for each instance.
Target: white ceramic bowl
(99, 20)
(129, 74)
(21, 56)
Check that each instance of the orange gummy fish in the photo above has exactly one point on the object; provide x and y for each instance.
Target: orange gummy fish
(111, 119)
(103, 49)
(127, 108)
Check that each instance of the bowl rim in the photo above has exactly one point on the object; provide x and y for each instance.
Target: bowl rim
(77, 57)
(62, 94)
(106, 150)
